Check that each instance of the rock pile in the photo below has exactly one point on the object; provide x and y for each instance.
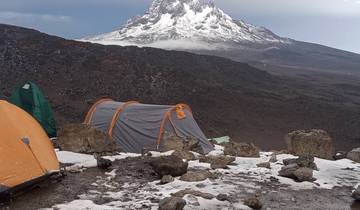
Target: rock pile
(241, 149)
(82, 138)
(299, 169)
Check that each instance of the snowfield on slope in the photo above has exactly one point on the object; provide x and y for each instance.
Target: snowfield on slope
(242, 177)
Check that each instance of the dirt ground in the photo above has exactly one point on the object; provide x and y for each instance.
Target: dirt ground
(137, 170)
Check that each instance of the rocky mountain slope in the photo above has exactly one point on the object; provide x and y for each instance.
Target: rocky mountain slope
(228, 98)
(199, 26)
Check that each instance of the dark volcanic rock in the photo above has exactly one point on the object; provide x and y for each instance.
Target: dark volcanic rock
(169, 165)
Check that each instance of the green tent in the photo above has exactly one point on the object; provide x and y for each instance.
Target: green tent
(30, 98)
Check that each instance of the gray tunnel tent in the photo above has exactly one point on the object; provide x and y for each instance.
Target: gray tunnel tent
(135, 126)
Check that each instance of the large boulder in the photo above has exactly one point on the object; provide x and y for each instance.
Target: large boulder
(354, 155)
(315, 143)
(241, 149)
(169, 165)
(172, 203)
(83, 138)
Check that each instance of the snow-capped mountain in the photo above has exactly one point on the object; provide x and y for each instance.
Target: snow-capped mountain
(198, 26)
(186, 23)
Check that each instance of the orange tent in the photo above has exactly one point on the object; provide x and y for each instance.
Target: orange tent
(26, 153)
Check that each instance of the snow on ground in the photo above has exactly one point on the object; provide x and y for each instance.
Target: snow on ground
(80, 160)
(243, 177)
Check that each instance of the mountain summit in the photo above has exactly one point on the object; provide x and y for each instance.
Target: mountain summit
(186, 21)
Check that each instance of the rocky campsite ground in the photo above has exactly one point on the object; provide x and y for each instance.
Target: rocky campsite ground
(131, 183)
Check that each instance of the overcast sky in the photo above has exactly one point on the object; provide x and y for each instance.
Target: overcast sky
(334, 23)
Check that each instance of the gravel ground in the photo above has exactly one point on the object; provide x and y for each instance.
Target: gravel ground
(274, 195)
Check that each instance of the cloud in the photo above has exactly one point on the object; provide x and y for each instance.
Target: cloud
(291, 8)
(9, 16)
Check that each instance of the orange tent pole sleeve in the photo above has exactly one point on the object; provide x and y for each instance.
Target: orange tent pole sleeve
(91, 111)
(185, 106)
(117, 115)
(161, 131)
(167, 115)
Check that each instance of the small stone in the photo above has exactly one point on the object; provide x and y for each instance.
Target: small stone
(196, 176)
(172, 203)
(264, 165)
(273, 158)
(304, 174)
(253, 202)
(356, 193)
(166, 179)
(222, 197)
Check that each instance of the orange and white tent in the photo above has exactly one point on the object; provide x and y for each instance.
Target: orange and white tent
(26, 152)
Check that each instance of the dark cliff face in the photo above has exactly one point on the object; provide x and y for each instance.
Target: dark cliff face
(227, 97)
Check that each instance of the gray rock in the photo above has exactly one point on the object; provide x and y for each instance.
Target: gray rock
(169, 165)
(356, 193)
(302, 161)
(273, 158)
(166, 179)
(103, 163)
(195, 176)
(354, 155)
(264, 165)
(288, 171)
(223, 197)
(172, 203)
(241, 149)
(184, 154)
(315, 143)
(304, 174)
(253, 202)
